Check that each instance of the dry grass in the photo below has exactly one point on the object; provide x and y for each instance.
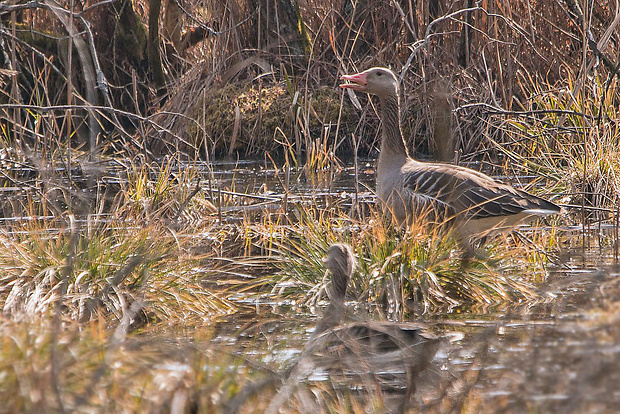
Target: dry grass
(90, 367)
(412, 272)
(104, 251)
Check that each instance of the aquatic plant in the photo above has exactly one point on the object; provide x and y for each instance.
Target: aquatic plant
(124, 272)
(419, 268)
(567, 134)
(168, 193)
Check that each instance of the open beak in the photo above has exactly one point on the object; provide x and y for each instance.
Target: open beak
(356, 82)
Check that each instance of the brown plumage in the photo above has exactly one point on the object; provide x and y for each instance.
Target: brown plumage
(341, 263)
(378, 336)
(406, 186)
(365, 354)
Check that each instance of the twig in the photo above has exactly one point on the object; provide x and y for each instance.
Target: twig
(9, 8)
(577, 15)
(427, 35)
(490, 109)
(111, 110)
(187, 200)
(88, 57)
(35, 51)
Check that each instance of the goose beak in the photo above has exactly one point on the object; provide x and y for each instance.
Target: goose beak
(356, 82)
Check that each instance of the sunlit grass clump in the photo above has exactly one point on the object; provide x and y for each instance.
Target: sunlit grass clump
(89, 368)
(421, 267)
(123, 272)
(161, 193)
(571, 135)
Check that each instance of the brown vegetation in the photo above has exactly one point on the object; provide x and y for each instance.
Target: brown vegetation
(485, 54)
(119, 257)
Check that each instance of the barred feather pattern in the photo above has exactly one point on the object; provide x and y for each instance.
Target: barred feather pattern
(468, 193)
(450, 193)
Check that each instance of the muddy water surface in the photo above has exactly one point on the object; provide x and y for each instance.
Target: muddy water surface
(559, 355)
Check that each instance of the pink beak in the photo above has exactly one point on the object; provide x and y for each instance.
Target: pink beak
(358, 81)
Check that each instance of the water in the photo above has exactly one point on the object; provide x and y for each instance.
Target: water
(560, 355)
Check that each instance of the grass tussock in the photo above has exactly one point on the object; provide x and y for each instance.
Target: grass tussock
(123, 272)
(89, 367)
(164, 194)
(141, 257)
(420, 268)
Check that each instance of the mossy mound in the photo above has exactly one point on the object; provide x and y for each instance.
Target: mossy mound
(250, 118)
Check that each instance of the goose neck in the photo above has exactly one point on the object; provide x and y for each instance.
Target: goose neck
(392, 142)
(335, 311)
(331, 318)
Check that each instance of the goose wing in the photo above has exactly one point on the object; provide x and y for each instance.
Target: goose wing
(469, 192)
(481, 202)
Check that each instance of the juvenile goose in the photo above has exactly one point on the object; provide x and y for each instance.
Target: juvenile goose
(341, 263)
(406, 186)
(365, 354)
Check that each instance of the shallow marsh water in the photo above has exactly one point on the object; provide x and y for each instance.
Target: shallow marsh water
(559, 355)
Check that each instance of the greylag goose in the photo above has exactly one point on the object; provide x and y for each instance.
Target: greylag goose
(366, 354)
(406, 186)
(378, 343)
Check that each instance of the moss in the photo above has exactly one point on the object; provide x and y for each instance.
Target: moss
(263, 111)
(41, 39)
(131, 32)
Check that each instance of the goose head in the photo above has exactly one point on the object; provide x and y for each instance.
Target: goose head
(376, 81)
(340, 261)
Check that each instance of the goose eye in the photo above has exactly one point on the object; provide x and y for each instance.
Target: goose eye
(379, 73)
